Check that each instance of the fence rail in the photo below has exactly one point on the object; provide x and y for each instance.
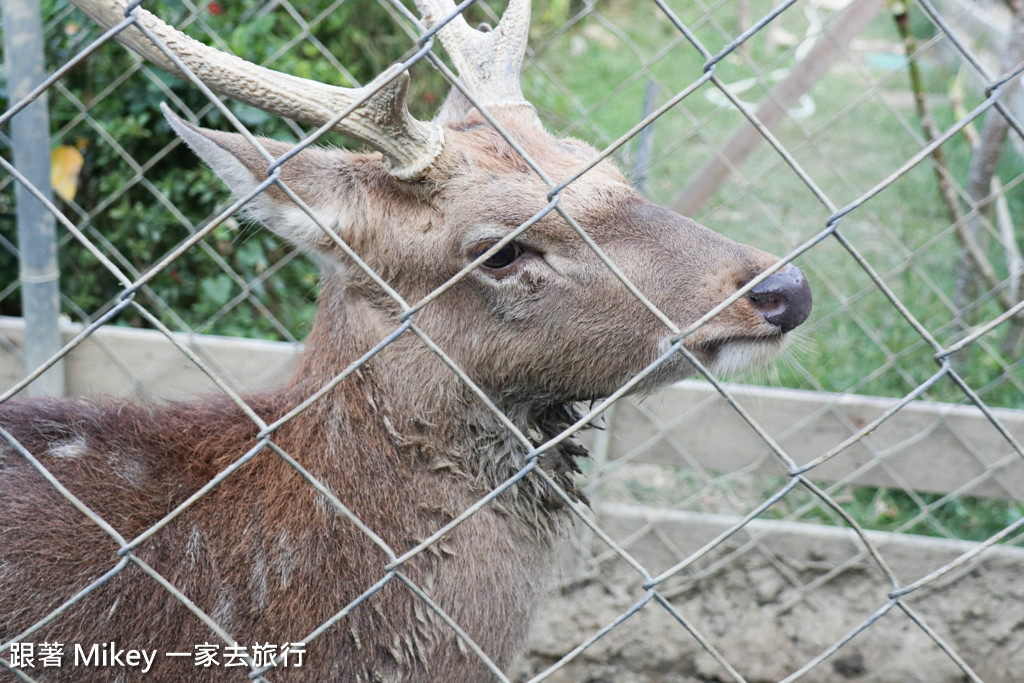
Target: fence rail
(683, 425)
(853, 137)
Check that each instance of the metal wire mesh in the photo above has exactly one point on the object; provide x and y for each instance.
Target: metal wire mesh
(838, 174)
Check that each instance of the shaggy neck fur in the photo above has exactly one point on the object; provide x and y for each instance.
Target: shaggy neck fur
(413, 395)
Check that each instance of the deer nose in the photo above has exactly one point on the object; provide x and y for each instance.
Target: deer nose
(783, 299)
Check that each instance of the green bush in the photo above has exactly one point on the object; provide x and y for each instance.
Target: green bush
(109, 107)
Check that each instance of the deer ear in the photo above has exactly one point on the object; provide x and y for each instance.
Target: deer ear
(239, 164)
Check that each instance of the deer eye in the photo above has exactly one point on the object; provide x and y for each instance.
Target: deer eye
(504, 257)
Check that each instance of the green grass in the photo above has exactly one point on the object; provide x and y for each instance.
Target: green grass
(864, 128)
(969, 518)
(857, 340)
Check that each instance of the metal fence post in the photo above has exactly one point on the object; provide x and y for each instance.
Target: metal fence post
(37, 234)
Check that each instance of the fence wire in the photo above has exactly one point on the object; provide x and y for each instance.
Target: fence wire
(842, 135)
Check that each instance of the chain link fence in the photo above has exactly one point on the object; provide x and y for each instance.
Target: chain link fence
(856, 518)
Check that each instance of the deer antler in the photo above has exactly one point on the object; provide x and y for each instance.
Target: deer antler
(383, 120)
(488, 62)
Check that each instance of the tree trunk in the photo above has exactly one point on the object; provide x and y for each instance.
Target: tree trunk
(980, 176)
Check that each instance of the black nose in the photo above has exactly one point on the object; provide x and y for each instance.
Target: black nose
(783, 299)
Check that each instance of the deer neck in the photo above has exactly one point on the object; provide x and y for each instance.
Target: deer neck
(430, 417)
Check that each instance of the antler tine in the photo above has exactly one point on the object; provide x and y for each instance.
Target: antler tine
(488, 62)
(382, 121)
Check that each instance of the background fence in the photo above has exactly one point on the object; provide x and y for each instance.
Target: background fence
(881, 144)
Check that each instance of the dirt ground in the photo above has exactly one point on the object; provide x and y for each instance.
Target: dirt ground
(775, 598)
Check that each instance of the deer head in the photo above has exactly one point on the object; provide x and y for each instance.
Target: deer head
(475, 203)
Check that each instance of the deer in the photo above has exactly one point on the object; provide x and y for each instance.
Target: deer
(392, 513)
